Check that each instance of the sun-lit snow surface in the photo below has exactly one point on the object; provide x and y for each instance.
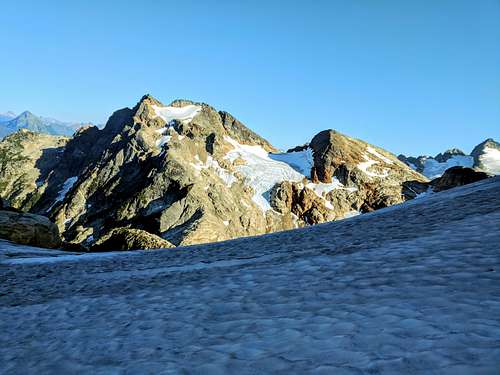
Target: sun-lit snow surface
(435, 169)
(411, 289)
(491, 160)
(368, 163)
(227, 177)
(260, 171)
(183, 114)
(372, 151)
(301, 161)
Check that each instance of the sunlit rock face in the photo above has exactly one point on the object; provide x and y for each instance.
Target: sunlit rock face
(189, 174)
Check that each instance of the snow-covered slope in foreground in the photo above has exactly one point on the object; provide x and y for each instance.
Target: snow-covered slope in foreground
(412, 289)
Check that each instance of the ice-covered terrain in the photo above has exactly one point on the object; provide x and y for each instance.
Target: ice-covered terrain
(434, 169)
(411, 289)
(491, 160)
(183, 114)
(261, 172)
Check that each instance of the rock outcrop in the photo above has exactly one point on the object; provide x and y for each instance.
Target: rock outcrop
(189, 174)
(457, 176)
(129, 239)
(26, 160)
(29, 229)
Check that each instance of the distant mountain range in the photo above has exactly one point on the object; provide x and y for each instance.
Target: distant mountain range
(10, 123)
(485, 157)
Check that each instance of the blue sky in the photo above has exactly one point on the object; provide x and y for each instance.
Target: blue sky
(410, 76)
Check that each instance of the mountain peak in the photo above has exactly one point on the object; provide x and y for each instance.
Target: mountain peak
(148, 99)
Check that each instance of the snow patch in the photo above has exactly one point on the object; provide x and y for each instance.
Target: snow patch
(183, 114)
(66, 187)
(351, 214)
(491, 160)
(322, 188)
(434, 169)
(374, 152)
(301, 161)
(227, 177)
(363, 166)
(163, 140)
(261, 172)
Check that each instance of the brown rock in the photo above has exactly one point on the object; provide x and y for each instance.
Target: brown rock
(457, 176)
(29, 229)
(130, 239)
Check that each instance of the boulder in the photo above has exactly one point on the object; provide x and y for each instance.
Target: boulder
(129, 239)
(29, 229)
(457, 176)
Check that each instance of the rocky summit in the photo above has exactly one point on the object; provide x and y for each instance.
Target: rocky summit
(186, 173)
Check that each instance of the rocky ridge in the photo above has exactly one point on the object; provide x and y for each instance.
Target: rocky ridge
(188, 174)
(485, 157)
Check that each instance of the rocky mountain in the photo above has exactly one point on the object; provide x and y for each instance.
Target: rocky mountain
(10, 123)
(484, 157)
(187, 173)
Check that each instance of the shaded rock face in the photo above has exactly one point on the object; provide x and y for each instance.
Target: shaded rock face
(130, 239)
(457, 176)
(189, 174)
(27, 159)
(29, 229)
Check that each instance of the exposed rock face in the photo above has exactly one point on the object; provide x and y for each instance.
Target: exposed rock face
(26, 160)
(484, 157)
(29, 229)
(190, 174)
(130, 239)
(457, 176)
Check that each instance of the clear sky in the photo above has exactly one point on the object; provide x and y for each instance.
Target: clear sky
(410, 76)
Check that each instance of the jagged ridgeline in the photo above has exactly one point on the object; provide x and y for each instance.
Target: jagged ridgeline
(185, 173)
(484, 157)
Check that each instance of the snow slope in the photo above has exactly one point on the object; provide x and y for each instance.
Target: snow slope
(434, 169)
(491, 160)
(183, 114)
(411, 289)
(261, 172)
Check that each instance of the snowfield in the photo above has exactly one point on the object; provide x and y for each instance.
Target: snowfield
(434, 169)
(183, 114)
(260, 171)
(411, 289)
(491, 160)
